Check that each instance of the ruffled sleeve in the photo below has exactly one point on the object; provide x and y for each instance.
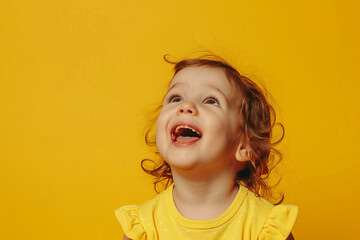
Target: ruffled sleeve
(130, 221)
(279, 223)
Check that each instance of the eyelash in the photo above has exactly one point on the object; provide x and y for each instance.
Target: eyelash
(212, 98)
(172, 97)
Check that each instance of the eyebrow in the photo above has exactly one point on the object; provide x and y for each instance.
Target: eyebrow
(217, 89)
(173, 87)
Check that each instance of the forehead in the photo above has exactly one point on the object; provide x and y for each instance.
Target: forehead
(201, 77)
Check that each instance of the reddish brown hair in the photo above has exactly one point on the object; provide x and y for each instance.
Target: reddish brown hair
(256, 121)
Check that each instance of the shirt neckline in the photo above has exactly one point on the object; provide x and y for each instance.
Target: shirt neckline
(204, 224)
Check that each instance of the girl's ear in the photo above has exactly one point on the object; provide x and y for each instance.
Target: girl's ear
(242, 153)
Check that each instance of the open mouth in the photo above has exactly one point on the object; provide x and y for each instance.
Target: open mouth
(185, 134)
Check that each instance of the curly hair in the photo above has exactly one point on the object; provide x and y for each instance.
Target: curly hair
(256, 121)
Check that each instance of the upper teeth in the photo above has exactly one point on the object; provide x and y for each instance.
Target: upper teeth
(183, 126)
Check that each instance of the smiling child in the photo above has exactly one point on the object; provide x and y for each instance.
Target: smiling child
(214, 139)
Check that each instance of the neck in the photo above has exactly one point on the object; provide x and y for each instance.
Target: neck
(203, 198)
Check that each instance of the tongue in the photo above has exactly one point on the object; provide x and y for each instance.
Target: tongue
(186, 139)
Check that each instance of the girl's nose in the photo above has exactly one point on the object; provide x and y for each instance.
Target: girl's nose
(187, 108)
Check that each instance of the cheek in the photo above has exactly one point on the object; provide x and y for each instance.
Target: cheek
(221, 130)
(161, 124)
(215, 130)
(218, 124)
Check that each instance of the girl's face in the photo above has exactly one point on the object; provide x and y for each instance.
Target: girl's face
(197, 124)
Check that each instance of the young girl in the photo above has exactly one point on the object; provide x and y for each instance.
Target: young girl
(214, 139)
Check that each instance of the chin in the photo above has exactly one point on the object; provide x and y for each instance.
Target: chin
(182, 163)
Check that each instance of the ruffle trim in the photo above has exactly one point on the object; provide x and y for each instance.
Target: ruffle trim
(130, 222)
(280, 222)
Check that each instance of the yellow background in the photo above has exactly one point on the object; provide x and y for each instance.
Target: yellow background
(79, 78)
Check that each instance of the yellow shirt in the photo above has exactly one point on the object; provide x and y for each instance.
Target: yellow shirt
(248, 217)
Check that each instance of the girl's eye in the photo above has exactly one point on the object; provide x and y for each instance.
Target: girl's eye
(212, 101)
(175, 99)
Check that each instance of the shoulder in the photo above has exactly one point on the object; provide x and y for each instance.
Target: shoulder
(155, 204)
(271, 222)
(279, 222)
(132, 217)
(148, 206)
(130, 221)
